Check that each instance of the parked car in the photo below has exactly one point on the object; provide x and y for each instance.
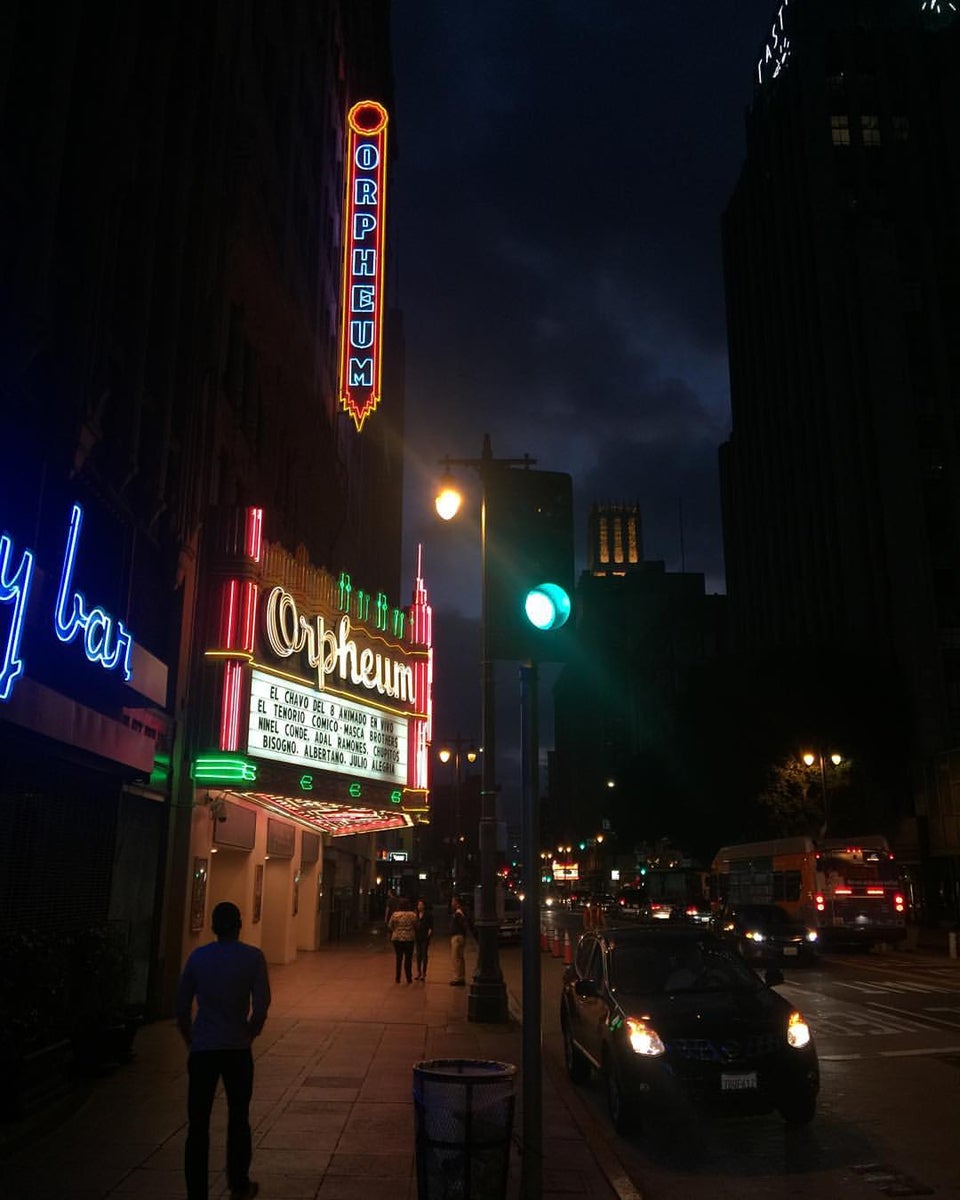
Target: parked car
(671, 1017)
(767, 933)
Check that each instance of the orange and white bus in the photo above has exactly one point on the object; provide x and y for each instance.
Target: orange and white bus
(846, 888)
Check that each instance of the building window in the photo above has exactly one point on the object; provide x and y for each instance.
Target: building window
(870, 130)
(901, 128)
(840, 130)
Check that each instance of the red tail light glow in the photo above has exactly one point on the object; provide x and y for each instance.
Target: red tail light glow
(821, 904)
(874, 891)
(844, 891)
(899, 903)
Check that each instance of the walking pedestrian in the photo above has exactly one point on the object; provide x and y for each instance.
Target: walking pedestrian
(458, 938)
(229, 982)
(402, 926)
(422, 935)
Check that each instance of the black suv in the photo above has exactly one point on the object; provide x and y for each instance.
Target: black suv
(670, 1016)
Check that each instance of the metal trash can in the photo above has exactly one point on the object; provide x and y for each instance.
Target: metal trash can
(464, 1121)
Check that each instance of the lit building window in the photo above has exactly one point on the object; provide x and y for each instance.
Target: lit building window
(840, 130)
(901, 128)
(870, 130)
(617, 540)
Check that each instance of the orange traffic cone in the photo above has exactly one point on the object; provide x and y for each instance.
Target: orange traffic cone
(567, 949)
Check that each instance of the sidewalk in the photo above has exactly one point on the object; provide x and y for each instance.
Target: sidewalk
(332, 1113)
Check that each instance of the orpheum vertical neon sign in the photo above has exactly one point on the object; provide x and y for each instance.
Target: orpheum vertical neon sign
(365, 213)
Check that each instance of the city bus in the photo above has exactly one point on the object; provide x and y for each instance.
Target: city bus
(847, 889)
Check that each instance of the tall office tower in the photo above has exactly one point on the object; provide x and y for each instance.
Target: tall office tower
(841, 504)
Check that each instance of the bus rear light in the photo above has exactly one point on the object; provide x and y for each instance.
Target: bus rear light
(821, 904)
(840, 891)
(874, 891)
(899, 903)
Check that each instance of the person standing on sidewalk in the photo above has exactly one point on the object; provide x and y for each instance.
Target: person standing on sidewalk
(458, 938)
(423, 934)
(229, 981)
(403, 929)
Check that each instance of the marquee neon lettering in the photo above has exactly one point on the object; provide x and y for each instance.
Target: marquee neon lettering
(331, 651)
(365, 213)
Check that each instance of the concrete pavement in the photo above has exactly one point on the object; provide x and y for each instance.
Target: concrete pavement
(333, 1111)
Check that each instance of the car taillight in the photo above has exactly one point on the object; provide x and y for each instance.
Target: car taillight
(821, 904)
(843, 891)
(899, 903)
(874, 891)
(691, 910)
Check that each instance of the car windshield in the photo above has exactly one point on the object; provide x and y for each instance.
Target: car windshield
(677, 967)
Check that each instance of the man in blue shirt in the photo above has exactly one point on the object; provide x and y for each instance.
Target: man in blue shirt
(229, 981)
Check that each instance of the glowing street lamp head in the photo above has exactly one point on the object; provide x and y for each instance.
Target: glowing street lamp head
(445, 755)
(808, 758)
(448, 501)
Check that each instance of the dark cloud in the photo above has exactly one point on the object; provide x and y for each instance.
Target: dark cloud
(562, 171)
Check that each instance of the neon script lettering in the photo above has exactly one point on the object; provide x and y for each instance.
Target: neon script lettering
(776, 52)
(363, 260)
(105, 640)
(14, 590)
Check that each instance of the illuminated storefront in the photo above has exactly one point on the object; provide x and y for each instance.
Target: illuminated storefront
(315, 727)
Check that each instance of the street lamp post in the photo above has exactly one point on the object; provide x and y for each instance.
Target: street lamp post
(487, 999)
(810, 758)
(445, 754)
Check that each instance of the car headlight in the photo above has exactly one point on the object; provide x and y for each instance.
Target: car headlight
(753, 935)
(549, 902)
(812, 935)
(798, 1031)
(643, 1039)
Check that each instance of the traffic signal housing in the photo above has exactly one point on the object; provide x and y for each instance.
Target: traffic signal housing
(529, 563)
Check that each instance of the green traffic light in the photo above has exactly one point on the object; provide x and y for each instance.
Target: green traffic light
(547, 606)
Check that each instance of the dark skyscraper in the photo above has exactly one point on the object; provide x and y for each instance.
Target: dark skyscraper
(840, 479)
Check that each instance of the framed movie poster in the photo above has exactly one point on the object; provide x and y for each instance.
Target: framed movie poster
(257, 892)
(198, 895)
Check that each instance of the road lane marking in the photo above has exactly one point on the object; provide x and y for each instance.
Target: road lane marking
(917, 1053)
(928, 1022)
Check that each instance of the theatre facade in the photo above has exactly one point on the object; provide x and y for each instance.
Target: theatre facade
(308, 747)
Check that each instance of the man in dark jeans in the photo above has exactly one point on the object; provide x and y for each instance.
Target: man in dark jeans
(229, 981)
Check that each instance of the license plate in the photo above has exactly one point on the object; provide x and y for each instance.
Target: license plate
(791, 950)
(738, 1083)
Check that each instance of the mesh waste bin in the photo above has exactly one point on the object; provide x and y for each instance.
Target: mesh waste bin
(464, 1121)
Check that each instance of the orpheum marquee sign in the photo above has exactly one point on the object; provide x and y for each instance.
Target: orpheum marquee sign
(322, 727)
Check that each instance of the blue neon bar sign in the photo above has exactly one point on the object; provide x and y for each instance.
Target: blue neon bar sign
(105, 640)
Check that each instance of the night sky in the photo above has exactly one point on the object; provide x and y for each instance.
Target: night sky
(560, 176)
